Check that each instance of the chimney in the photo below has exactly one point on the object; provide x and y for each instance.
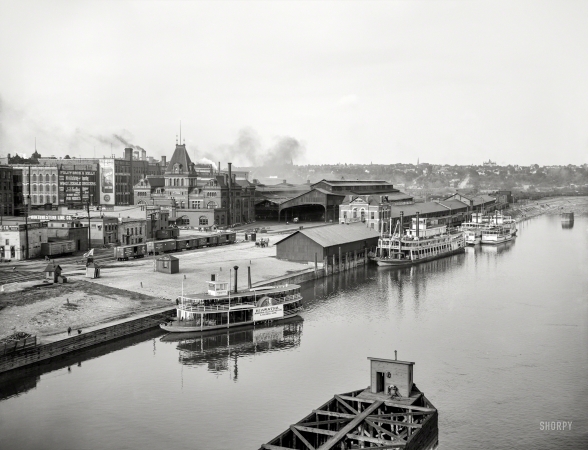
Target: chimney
(230, 219)
(285, 181)
(417, 225)
(164, 161)
(144, 155)
(236, 269)
(218, 168)
(128, 153)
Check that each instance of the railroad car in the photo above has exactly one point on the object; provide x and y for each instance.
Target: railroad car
(124, 252)
(168, 233)
(164, 246)
(57, 248)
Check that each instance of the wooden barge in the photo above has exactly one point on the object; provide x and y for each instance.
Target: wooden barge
(392, 413)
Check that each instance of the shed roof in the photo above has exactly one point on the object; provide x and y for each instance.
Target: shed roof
(168, 258)
(52, 268)
(330, 235)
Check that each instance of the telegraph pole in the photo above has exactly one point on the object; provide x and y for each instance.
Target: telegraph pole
(27, 212)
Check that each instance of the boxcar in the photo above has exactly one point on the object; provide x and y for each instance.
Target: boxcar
(184, 243)
(57, 248)
(167, 233)
(211, 240)
(124, 252)
(157, 247)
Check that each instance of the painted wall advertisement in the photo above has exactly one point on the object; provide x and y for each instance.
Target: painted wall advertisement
(268, 312)
(107, 182)
(77, 186)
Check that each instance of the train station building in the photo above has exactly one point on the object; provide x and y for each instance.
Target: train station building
(322, 200)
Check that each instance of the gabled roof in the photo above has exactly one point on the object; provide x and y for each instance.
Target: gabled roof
(327, 236)
(182, 158)
(52, 268)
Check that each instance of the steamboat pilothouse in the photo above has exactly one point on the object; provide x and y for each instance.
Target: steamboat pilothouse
(220, 308)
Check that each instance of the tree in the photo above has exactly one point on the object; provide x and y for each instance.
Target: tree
(66, 157)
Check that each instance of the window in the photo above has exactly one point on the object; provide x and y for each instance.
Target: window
(7, 242)
(34, 188)
(47, 178)
(211, 205)
(54, 199)
(53, 178)
(165, 264)
(372, 215)
(34, 178)
(203, 220)
(34, 199)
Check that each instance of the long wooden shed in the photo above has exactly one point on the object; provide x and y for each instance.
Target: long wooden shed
(326, 241)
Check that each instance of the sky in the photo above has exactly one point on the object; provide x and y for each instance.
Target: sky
(339, 82)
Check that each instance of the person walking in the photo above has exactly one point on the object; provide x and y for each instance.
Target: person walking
(68, 331)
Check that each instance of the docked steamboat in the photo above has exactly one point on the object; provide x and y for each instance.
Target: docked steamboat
(220, 308)
(421, 242)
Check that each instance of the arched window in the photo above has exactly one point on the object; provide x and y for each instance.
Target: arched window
(34, 199)
(47, 187)
(34, 188)
(203, 220)
(54, 188)
(222, 222)
(47, 178)
(182, 182)
(211, 205)
(54, 199)
(34, 178)
(53, 178)
(40, 188)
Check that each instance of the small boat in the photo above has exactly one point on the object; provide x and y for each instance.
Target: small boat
(422, 242)
(220, 308)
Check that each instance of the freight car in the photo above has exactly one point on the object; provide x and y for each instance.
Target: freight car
(168, 233)
(57, 248)
(124, 252)
(227, 237)
(165, 246)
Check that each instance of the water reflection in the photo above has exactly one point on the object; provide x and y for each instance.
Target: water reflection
(567, 225)
(498, 248)
(220, 350)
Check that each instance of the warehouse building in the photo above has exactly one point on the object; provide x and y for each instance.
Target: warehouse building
(326, 242)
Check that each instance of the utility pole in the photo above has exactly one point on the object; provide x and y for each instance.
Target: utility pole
(27, 211)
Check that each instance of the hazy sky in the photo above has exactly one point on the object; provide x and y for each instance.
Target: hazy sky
(352, 81)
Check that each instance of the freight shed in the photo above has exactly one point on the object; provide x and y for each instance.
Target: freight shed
(327, 241)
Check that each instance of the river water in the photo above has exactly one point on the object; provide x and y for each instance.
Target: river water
(499, 336)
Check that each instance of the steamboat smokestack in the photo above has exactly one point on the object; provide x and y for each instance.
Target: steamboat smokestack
(236, 269)
(400, 223)
(417, 225)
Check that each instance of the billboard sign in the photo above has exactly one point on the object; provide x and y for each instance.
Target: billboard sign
(268, 312)
(77, 186)
(107, 182)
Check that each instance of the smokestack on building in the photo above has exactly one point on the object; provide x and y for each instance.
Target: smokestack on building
(128, 153)
(163, 162)
(143, 155)
(230, 219)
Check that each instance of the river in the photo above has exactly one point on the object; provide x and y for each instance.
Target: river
(499, 336)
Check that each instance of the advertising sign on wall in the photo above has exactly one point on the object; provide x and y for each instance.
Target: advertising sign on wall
(268, 312)
(107, 182)
(77, 186)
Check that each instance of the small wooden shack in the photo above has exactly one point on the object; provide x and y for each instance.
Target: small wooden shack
(167, 264)
(92, 270)
(52, 273)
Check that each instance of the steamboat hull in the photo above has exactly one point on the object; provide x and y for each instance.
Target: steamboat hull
(385, 262)
(194, 327)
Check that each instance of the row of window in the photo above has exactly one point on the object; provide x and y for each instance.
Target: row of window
(48, 178)
(48, 188)
(44, 199)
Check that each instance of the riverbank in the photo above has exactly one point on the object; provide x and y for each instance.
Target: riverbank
(553, 205)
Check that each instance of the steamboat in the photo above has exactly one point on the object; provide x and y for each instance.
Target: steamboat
(498, 229)
(220, 308)
(421, 242)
